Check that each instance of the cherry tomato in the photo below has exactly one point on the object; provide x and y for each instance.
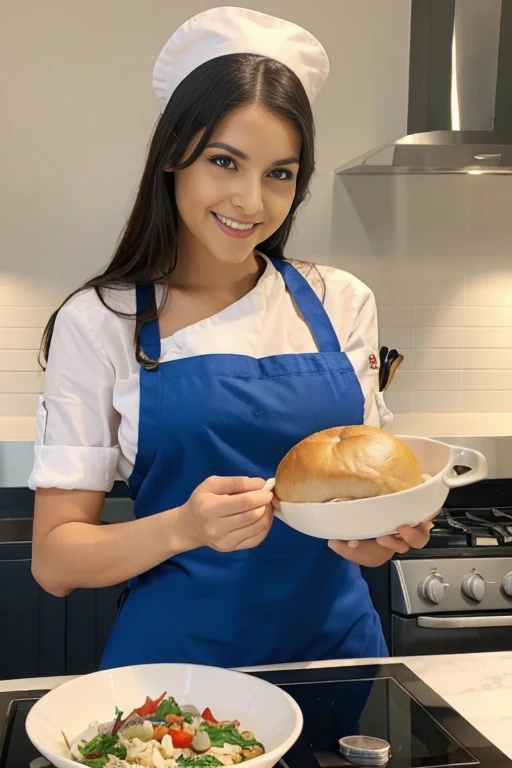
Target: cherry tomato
(180, 739)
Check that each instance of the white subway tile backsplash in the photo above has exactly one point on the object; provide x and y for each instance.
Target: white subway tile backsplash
(20, 317)
(439, 402)
(487, 380)
(402, 381)
(394, 294)
(441, 292)
(408, 361)
(18, 291)
(396, 316)
(494, 338)
(398, 402)
(437, 359)
(439, 338)
(440, 317)
(21, 405)
(437, 380)
(489, 288)
(488, 317)
(492, 400)
(19, 360)
(489, 220)
(20, 338)
(21, 383)
(397, 337)
(484, 359)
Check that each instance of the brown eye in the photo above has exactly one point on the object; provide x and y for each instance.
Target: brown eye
(223, 161)
(283, 174)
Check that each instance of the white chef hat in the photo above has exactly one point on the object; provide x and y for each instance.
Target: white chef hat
(227, 30)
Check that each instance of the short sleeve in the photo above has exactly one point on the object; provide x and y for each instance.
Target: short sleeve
(363, 350)
(76, 429)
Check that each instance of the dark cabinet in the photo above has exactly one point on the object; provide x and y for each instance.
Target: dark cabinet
(41, 635)
(32, 623)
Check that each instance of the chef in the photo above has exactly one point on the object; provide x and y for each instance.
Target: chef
(195, 361)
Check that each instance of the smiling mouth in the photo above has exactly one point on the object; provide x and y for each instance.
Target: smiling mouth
(237, 226)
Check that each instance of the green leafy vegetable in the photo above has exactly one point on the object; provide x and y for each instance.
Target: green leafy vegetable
(166, 707)
(198, 762)
(95, 753)
(229, 734)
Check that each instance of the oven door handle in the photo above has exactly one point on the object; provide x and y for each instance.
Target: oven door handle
(463, 622)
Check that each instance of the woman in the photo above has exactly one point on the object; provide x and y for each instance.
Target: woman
(196, 361)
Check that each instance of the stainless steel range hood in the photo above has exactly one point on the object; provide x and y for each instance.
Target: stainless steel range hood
(460, 93)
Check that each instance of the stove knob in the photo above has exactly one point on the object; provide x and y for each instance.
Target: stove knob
(507, 584)
(432, 588)
(473, 587)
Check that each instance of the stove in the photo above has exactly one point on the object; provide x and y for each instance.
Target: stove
(386, 709)
(454, 596)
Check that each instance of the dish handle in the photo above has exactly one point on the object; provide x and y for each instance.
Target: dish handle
(466, 457)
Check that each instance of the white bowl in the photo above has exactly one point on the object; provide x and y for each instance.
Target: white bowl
(270, 713)
(381, 515)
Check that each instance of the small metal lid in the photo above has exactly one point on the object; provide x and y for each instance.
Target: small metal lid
(365, 750)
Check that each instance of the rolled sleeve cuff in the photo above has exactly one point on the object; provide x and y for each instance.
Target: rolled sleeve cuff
(74, 468)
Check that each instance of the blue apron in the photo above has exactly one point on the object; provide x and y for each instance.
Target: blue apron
(291, 598)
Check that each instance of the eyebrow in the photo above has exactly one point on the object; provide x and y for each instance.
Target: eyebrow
(243, 156)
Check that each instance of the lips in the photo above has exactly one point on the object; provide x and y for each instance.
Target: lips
(234, 228)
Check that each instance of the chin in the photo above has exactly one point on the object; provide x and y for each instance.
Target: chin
(237, 255)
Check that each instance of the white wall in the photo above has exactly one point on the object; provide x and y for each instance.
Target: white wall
(78, 109)
(437, 252)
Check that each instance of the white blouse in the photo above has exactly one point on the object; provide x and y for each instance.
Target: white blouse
(87, 421)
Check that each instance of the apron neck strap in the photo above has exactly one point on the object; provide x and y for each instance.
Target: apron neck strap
(310, 306)
(150, 332)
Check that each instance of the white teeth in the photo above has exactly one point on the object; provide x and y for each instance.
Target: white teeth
(234, 224)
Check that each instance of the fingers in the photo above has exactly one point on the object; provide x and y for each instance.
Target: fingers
(395, 543)
(375, 552)
(246, 502)
(366, 553)
(232, 485)
(240, 494)
(247, 519)
(417, 537)
(251, 535)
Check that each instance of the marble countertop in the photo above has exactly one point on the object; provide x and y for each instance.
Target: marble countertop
(478, 686)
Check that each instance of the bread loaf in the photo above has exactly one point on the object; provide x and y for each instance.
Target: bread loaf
(346, 463)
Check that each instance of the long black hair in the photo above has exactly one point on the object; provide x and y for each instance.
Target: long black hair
(146, 251)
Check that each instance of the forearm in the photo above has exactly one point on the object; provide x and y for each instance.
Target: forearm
(77, 555)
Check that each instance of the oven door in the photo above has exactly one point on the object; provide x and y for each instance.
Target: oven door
(456, 633)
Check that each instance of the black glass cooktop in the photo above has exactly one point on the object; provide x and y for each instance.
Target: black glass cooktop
(385, 702)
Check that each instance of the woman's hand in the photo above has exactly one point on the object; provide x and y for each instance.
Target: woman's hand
(374, 552)
(227, 513)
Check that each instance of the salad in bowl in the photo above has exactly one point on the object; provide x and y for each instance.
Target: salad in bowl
(162, 734)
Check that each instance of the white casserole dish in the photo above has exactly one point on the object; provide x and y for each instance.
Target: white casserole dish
(382, 515)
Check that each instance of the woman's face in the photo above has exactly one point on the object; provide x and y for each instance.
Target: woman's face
(240, 190)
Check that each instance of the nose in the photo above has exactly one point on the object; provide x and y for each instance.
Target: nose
(248, 196)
